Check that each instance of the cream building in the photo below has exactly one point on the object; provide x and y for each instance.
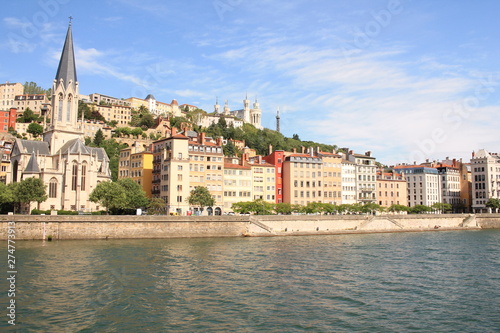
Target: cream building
(39, 104)
(392, 189)
(237, 183)
(366, 176)
(485, 177)
(423, 184)
(156, 108)
(69, 168)
(302, 179)
(8, 92)
(138, 166)
(348, 182)
(332, 177)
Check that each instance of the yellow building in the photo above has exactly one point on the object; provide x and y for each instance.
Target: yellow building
(237, 183)
(302, 179)
(122, 114)
(8, 92)
(38, 103)
(263, 180)
(332, 177)
(206, 167)
(138, 166)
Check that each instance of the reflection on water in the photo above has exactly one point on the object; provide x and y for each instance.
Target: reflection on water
(438, 281)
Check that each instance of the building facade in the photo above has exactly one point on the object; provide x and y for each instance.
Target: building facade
(8, 120)
(69, 168)
(392, 189)
(8, 92)
(485, 167)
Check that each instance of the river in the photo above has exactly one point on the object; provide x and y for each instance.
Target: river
(400, 282)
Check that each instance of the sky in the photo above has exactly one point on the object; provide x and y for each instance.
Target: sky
(407, 80)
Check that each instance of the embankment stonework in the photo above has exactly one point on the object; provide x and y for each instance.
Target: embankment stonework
(108, 227)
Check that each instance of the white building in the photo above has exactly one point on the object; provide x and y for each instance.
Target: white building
(423, 184)
(348, 182)
(485, 178)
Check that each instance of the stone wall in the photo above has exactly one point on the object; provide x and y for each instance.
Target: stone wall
(109, 227)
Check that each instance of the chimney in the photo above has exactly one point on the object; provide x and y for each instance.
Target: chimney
(368, 153)
(303, 149)
(259, 159)
(351, 152)
(473, 154)
(311, 151)
(270, 149)
(202, 138)
(174, 131)
(317, 150)
(218, 142)
(294, 150)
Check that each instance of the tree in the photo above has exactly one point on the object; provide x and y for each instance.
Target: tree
(200, 196)
(31, 88)
(6, 194)
(110, 195)
(35, 129)
(313, 208)
(283, 208)
(136, 197)
(229, 149)
(156, 206)
(28, 116)
(98, 137)
(296, 137)
(395, 208)
(136, 132)
(493, 203)
(441, 207)
(258, 207)
(29, 190)
(419, 209)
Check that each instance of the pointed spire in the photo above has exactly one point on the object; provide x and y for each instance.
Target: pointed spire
(67, 67)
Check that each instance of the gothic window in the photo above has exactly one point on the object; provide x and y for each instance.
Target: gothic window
(60, 108)
(84, 176)
(68, 109)
(53, 188)
(74, 175)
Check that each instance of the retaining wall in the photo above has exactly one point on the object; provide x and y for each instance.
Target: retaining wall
(28, 227)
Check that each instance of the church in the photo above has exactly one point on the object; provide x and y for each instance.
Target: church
(69, 168)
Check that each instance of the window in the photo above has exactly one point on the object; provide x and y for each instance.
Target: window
(74, 176)
(84, 176)
(53, 188)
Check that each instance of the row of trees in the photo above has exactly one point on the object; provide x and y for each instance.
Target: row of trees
(23, 193)
(261, 207)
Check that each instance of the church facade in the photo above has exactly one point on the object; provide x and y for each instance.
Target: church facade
(70, 169)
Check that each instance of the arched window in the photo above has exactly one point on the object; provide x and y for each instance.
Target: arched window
(60, 107)
(15, 171)
(68, 109)
(53, 188)
(84, 176)
(74, 176)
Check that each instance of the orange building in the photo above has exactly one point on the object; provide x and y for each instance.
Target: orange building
(8, 120)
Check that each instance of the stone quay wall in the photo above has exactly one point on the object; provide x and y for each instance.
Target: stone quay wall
(34, 227)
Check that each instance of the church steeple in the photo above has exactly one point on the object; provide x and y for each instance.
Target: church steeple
(67, 68)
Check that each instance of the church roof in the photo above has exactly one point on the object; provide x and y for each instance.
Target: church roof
(28, 147)
(67, 67)
(74, 146)
(32, 166)
(100, 152)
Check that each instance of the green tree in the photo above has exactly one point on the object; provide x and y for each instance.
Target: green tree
(420, 209)
(29, 190)
(110, 195)
(98, 138)
(258, 207)
(493, 203)
(313, 208)
(32, 88)
(283, 208)
(156, 206)
(441, 207)
(136, 197)
(395, 208)
(35, 129)
(28, 116)
(6, 195)
(136, 132)
(229, 149)
(200, 196)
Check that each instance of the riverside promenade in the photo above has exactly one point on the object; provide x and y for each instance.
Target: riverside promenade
(35, 227)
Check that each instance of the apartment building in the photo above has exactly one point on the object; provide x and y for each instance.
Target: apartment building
(302, 179)
(38, 103)
(277, 158)
(237, 182)
(155, 107)
(263, 179)
(8, 120)
(5, 151)
(485, 167)
(122, 114)
(423, 184)
(348, 172)
(392, 189)
(103, 99)
(8, 92)
(332, 177)
(137, 165)
(366, 176)
(206, 167)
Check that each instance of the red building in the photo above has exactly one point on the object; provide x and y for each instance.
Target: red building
(8, 120)
(276, 158)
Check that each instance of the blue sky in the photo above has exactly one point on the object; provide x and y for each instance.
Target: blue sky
(405, 79)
